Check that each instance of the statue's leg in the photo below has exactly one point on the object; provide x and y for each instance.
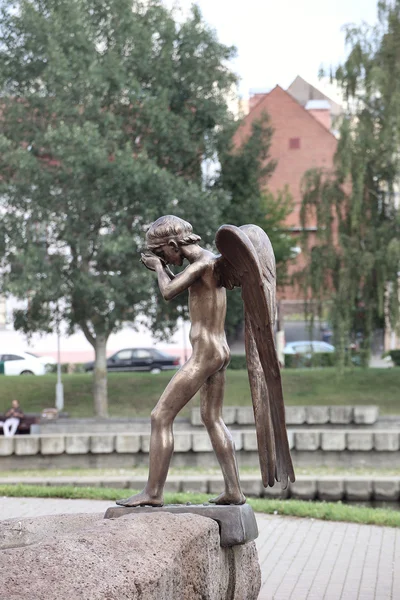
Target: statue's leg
(211, 397)
(182, 387)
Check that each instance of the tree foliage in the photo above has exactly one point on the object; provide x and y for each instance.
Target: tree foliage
(107, 111)
(356, 262)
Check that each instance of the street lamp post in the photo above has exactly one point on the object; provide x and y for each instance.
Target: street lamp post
(59, 385)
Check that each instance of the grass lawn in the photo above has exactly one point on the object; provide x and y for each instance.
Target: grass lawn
(297, 508)
(135, 394)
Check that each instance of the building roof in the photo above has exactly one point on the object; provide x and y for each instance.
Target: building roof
(303, 91)
(263, 103)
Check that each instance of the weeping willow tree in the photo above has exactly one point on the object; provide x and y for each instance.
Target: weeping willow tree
(353, 267)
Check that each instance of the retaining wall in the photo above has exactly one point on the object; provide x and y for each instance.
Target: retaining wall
(318, 447)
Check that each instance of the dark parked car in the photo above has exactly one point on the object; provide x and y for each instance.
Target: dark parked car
(139, 359)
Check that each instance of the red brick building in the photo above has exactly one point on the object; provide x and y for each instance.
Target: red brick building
(302, 140)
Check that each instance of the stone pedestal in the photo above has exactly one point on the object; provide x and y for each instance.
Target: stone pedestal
(237, 524)
(145, 556)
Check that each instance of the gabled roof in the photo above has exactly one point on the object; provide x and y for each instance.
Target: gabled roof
(263, 102)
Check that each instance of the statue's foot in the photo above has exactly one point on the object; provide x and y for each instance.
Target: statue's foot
(232, 498)
(142, 499)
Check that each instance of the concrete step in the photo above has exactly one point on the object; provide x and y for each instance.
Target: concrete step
(300, 415)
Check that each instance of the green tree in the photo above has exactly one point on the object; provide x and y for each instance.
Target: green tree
(107, 110)
(356, 260)
(244, 174)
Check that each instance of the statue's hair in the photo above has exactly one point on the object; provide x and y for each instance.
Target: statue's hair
(169, 228)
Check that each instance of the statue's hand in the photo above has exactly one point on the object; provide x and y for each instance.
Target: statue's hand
(151, 261)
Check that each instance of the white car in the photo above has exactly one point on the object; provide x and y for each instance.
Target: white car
(308, 347)
(45, 360)
(21, 363)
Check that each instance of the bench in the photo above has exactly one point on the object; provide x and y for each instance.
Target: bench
(24, 426)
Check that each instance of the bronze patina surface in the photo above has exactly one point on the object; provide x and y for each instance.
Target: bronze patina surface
(247, 261)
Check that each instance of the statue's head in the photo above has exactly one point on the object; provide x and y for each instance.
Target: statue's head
(167, 235)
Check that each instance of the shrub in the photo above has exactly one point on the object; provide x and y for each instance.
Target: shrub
(395, 356)
(67, 368)
(302, 361)
(238, 362)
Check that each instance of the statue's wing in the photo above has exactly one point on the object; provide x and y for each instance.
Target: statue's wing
(248, 260)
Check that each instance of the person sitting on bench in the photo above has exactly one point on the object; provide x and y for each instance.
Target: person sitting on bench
(13, 417)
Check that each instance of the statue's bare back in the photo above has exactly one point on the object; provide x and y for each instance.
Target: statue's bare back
(207, 309)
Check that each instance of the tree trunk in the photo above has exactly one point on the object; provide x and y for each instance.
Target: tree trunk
(100, 378)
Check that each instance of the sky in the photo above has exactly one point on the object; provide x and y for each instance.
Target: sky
(279, 39)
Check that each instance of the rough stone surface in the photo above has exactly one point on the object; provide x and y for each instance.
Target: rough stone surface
(366, 415)
(386, 441)
(333, 440)
(102, 444)
(307, 440)
(52, 444)
(317, 415)
(295, 415)
(26, 445)
(143, 556)
(341, 415)
(360, 440)
(237, 524)
(77, 444)
(330, 488)
(6, 446)
(128, 443)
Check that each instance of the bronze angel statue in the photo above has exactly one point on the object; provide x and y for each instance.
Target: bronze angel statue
(247, 261)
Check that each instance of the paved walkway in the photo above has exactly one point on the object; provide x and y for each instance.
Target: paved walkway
(301, 559)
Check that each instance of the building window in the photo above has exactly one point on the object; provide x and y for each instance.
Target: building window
(294, 143)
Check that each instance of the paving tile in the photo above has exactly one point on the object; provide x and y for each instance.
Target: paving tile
(333, 548)
(355, 566)
(369, 573)
(337, 576)
(396, 568)
(386, 565)
(295, 561)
